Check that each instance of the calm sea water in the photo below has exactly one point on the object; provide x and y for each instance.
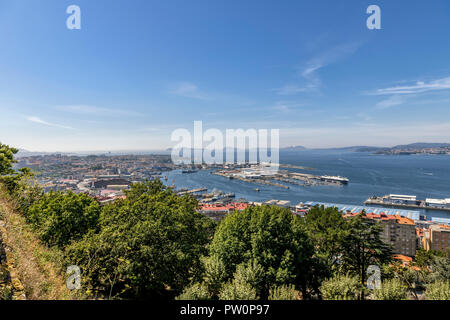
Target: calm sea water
(426, 176)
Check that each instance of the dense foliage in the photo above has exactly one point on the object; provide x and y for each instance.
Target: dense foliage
(147, 245)
(341, 287)
(438, 290)
(61, 217)
(393, 289)
(8, 176)
(270, 237)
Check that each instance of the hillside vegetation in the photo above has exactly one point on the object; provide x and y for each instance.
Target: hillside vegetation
(37, 268)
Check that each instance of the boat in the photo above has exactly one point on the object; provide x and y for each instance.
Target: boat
(229, 195)
(189, 171)
(257, 190)
(339, 179)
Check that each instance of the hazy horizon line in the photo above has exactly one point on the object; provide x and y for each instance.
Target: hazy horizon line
(168, 149)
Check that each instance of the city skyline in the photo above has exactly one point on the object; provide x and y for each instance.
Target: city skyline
(137, 71)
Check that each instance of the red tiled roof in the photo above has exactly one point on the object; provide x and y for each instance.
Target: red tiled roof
(227, 207)
(401, 257)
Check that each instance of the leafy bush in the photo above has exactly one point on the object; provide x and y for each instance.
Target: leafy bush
(284, 293)
(341, 287)
(393, 289)
(247, 279)
(235, 290)
(26, 193)
(438, 290)
(195, 292)
(440, 267)
(59, 218)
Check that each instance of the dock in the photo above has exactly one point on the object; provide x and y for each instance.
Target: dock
(192, 191)
(421, 204)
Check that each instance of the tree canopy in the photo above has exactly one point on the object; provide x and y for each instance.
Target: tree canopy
(148, 244)
(271, 237)
(61, 217)
(8, 176)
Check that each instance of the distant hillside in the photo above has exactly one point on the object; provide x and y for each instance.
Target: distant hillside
(368, 149)
(422, 145)
(405, 147)
(293, 148)
(354, 149)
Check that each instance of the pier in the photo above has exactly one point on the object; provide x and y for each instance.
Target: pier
(192, 191)
(421, 204)
(399, 201)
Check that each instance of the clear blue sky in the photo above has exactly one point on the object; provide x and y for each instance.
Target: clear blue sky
(137, 70)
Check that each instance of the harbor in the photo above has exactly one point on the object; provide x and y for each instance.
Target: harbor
(269, 175)
(368, 175)
(221, 203)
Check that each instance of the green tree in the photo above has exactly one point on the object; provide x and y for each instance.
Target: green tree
(363, 247)
(440, 268)
(273, 238)
(424, 257)
(8, 176)
(393, 289)
(246, 281)
(208, 287)
(328, 229)
(238, 291)
(214, 274)
(410, 278)
(341, 287)
(61, 217)
(7, 159)
(149, 245)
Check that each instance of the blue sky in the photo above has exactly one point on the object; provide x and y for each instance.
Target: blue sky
(137, 70)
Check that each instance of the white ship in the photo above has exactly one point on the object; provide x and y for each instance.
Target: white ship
(340, 179)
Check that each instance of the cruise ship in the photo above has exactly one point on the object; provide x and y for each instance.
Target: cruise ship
(338, 179)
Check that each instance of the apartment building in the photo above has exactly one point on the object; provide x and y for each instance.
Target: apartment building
(399, 232)
(439, 237)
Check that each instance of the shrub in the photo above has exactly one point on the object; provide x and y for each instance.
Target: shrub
(392, 289)
(438, 290)
(341, 287)
(284, 293)
(59, 218)
(195, 292)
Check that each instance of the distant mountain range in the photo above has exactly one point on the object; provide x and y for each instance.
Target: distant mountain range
(411, 146)
(294, 148)
(422, 145)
